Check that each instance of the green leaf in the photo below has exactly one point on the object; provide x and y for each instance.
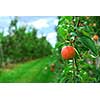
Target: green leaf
(62, 79)
(61, 31)
(73, 33)
(69, 18)
(89, 43)
(85, 33)
(59, 44)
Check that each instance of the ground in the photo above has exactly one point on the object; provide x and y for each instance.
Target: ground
(35, 71)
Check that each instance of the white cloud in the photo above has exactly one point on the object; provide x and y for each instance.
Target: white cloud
(21, 24)
(6, 31)
(51, 37)
(56, 22)
(39, 35)
(41, 23)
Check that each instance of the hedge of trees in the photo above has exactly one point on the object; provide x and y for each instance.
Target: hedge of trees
(83, 34)
(21, 45)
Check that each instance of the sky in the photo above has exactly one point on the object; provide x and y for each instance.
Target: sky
(44, 24)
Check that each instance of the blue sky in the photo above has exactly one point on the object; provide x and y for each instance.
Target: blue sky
(44, 24)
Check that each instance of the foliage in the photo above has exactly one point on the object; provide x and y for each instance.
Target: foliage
(77, 31)
(22, 44)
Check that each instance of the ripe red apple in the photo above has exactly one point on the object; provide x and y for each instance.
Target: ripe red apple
(68, 52)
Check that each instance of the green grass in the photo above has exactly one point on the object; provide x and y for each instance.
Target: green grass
(36, 71)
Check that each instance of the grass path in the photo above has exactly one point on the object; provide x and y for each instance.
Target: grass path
(36, 71)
